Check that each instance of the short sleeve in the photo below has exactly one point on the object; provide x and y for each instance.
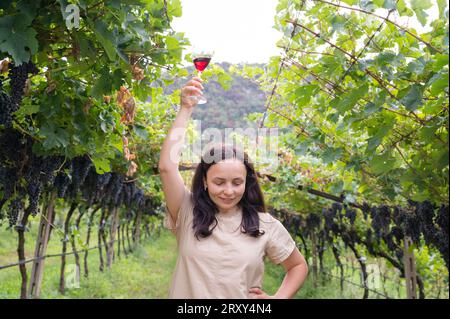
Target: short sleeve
(280, 243)
(186, 206)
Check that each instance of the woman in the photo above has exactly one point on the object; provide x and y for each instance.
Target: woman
(222, 229)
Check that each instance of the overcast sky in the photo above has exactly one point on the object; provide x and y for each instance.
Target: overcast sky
(242, 30)
(237, 30)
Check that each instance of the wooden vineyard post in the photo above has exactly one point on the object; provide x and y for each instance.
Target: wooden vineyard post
(41, 247)
(314, 259)
(112, 237)
(410, 269)
(137, 228)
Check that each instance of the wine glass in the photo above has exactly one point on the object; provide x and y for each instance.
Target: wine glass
(201, 61)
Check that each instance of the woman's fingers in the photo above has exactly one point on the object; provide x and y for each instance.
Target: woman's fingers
(190, 90)
(257, 293)
(195, 82)
(255, 290)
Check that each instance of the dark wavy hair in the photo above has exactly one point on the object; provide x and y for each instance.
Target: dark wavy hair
(205, 209)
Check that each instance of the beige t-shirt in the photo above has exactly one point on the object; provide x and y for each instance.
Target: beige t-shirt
(227, 263)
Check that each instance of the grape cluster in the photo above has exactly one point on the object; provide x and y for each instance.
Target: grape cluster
(365, 210)
(49, 165)
(313, 221)
(19, 75)
(412, 226)
(6, 109)
(351, 215)
(62, 180)
(12, 146)
(80, 169)
(15, 207)
(337, 208)
(34, 189)
(381, 218)
(330, 223)
(296, 222)
(8, 180)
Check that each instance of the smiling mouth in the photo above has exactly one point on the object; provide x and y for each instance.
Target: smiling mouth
(227, 199)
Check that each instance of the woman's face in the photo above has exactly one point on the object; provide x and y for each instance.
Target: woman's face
(226, 183)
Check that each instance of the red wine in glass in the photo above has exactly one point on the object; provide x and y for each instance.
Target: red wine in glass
(201, 63)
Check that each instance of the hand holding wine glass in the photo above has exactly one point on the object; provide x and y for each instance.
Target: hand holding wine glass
(191, 92)
(201, 61)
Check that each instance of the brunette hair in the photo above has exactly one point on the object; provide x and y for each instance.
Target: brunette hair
(205, 209)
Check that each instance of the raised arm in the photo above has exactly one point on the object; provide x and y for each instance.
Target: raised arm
(172, 182)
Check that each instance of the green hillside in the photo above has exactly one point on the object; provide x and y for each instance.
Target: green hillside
(226, 108)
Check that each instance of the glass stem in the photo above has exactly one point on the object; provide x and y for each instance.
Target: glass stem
(200, 74)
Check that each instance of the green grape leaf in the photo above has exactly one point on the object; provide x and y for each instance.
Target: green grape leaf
(413, 98)
(18, 38)
(102, 164)
(348, 100)
(438, 83)
(55, 137)
(331, 154)
(175, 8)
(419, 7)
(105, 37)
(383, 163)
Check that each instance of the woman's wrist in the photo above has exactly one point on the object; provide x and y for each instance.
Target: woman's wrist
(186, 109)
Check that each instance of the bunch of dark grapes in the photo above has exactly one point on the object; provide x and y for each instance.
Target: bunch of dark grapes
(62, 180)
(351, 215)
(15, 207)
(412, 226)
(287, 220)
(442, 245)
(398, 216)
(34, 189)
(442, 218)
(129, 189)
(8, 180)
(139, 196)
(102, 182)
(34, 185)
(389, 240)
(19, 75)
(313, 221)
(366, 210)
(328, 217)
(337, 208)
(296, 222)
(6, 109)
(330, 224)
(12, 146)
(381, 218)
(385, 217)
(397, 233)
(369, 235)
(117, 190)
(49, 166)
(110, 190)
(81, 167)
(375, 222)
